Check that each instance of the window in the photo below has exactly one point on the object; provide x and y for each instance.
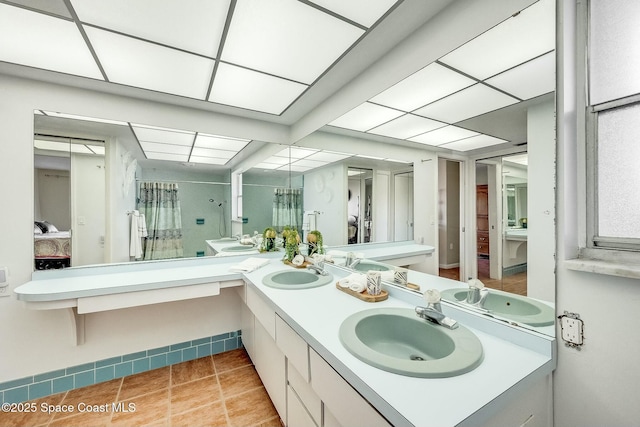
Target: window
(613, 125)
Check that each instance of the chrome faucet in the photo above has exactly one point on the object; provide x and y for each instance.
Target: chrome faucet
(477, 294)
(433, 311)
(318, 268)
(354, 262)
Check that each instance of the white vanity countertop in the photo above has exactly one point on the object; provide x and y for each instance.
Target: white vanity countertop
(316, 314)
(63, 284)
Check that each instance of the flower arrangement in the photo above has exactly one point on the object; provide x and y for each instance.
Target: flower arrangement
(291, 243)
(269, 240)
(314, 239)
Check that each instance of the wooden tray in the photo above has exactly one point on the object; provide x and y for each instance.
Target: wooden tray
(304, 264)
(364, 296)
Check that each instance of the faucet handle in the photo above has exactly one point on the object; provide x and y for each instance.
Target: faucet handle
(475, 283)
(432, 296)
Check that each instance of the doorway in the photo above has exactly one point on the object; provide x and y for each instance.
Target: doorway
(359, 205)
(450, 208)
(403, 206)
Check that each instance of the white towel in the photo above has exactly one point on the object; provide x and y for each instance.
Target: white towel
(138, 232)
(355, 281)
(250, 264)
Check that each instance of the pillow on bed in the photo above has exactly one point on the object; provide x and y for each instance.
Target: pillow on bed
(45, 227)
(50, 227)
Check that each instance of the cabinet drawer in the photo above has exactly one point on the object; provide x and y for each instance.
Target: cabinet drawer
(263, 311)
(346, 405)
(307, 396)
(293, 346)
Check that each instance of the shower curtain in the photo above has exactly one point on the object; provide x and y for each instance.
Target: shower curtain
(287, 208)
(160, 204)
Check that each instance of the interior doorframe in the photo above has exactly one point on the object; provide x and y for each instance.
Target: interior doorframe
(463, 213)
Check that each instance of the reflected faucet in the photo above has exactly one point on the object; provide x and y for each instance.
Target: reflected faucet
(433, 311)
(318, 268)
(477, 294)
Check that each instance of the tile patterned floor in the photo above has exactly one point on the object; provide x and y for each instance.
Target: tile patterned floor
(515, 284)
(219, 390)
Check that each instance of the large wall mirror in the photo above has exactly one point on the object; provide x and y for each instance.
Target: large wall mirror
(94, 178)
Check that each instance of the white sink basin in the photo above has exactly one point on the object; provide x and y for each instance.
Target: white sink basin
(296, 279)
(397, 340)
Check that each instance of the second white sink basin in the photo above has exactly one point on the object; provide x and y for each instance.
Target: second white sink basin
(296, 279)
(398, 341)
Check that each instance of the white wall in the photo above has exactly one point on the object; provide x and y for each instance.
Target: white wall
(597, 386)
(325, 191)
(27, 335)
(87, 209)
(541, 202)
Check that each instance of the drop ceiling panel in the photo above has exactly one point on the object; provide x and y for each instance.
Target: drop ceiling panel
(286, 38)
(475, 142)
(526, 35)
(221, 143)
(163, 136)
(208, 160)
(207, 152)
(407, 126)
(364, 12)
(423, 87)
(467, 103)
(443, 135)
(328, 156)
(366, 116)
(156, 147)
(308, 163)
(531, 79)
(136, 63)
(41, 41)
(167, 156)
(196, 27)
(251, 90)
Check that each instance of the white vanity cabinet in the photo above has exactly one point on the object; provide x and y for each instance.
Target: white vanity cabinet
(305, 389)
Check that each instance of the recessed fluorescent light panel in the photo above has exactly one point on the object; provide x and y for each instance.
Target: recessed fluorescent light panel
(196, 27)
(473, 101)
(252, 90)
(423, 87)
(526, 35)
(407, 126)
(86, 119)
(364, 12)
(286, 38)
(41, 41)
(531, 79)
(443, 135)
(137, 63)
(366, 116)
(473, 143)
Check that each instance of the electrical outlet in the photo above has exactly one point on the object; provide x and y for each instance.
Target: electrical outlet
(572, 329)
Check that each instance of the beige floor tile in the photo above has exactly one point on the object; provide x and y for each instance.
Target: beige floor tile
(273, 422)
(35, 417)
(231, 360)
(83, 419)
(212, 415)
(150, 409)
(145, 382)
(185, 397)
(191, 370)
(97, 394)
(250, 408)
(238, 381)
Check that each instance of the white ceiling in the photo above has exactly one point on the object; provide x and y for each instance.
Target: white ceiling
(267, 58)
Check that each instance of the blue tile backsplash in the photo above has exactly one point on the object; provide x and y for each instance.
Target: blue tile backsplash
(61, 380)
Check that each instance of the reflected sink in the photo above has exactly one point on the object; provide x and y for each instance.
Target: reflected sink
(238, 248)
(365, 265)
(510, 306)
(398, 341)
(296, 279)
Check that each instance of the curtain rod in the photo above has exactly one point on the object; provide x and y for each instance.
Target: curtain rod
(170, 181)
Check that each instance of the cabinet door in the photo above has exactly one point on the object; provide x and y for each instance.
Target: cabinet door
(270, 364)
(342, 400)
(297, 415)
(247, 324)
